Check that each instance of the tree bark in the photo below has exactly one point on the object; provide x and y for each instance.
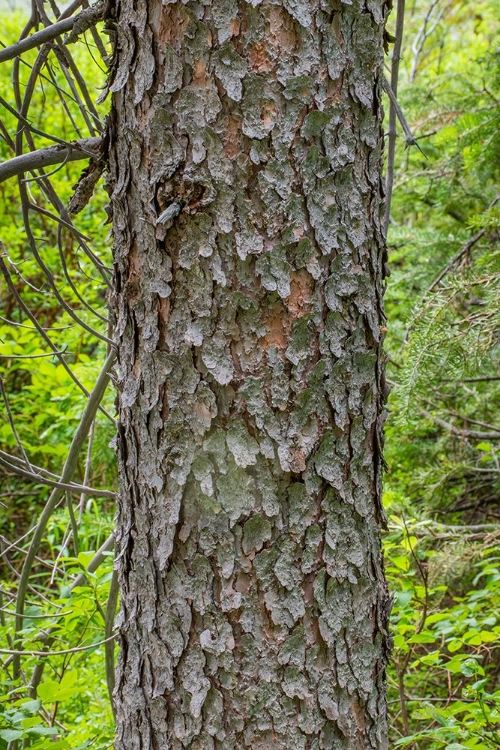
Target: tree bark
(247, 200)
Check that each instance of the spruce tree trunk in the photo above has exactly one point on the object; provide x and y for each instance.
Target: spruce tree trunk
(245, 170)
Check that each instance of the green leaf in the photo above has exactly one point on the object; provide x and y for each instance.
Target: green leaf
(399, 641)
(486, 447)
(31, 706)
(400, 562)
(11, 734)
(470, 667)
(424, 637)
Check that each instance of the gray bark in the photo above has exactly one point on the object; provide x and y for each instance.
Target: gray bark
(245, 180)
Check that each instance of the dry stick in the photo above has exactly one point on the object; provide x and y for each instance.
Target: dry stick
(71, 530)
(32, 328)
(37, 469)
(63, 96)
(37, 39)
(77, 25)
(31, 356)
(44, 212)
(454, 413)
(46, 157)
(485, 378)
(22, 551)
(410, 139)
(391, 149)
(61, 53)
(66, 486)
(67, 473)
(13, 652)
(87, 105)
(424, 33)
(24, 107)
(71, 284)
(32, 21)
(477, 434)
(38, 617)
(60, 91)
(12, 545)
(83, 21)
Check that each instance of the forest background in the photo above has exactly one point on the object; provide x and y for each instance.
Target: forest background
(442, 544)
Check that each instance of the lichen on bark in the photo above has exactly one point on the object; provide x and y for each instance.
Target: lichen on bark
(245, 181)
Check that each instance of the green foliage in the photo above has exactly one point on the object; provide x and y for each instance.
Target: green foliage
(66, 621)
(442, 489)
(445, 646)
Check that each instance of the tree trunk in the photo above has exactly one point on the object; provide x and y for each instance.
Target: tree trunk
(245, 172)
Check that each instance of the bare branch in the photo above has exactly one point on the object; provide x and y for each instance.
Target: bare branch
(76, 26)
(75, 650)
(410, 139)
(46, 157)
(67, 473)
(50, 483)
(391, 150)
(43, 334)
(37, 39)
(476, 434)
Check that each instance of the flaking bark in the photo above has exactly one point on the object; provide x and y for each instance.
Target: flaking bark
(245, 179)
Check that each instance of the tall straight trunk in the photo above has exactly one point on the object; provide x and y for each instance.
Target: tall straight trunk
(245, 172)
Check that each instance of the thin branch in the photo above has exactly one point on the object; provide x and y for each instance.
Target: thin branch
(484, 379)
(25, 207)
(32, 328)
(43, 334)
(391, 148)
(37, 617)
(67, 473)
(477, 434)
(88, 464)
(32, 356)
(410, 139)
(46, 157)
(76, 26)
(50, 483)
(31, 128)
(37, 39)
(57, 653)
(13, 426)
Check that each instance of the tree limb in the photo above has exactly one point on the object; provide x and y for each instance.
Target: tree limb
(51, 483)
(477, 434)
(46, 157)
(76, 26)
(37, 39)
